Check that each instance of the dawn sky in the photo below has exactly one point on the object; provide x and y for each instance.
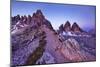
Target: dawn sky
(58, 14)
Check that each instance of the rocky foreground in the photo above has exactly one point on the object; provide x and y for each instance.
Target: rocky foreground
(34, 41)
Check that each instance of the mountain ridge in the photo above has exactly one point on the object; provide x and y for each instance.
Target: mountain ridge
(34, 39)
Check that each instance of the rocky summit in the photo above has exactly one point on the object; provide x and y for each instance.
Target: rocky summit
(76, 28)
(67, 26)
(35, 41)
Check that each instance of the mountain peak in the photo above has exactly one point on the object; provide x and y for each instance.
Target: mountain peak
(67, 26)
(61, 28)
(67, 23)
(34, 15)
(39, 12)
(36, 20)
(76, 28)
(75, 24)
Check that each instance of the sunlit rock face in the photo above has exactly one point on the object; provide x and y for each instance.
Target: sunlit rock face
(34, 41)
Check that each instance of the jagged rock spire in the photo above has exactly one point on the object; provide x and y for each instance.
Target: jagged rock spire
(67, 23)
(34, 15)
(75, 27)
(67, 26)
(39, 12)
(61, 28)
(29, 18)
(36, 20)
